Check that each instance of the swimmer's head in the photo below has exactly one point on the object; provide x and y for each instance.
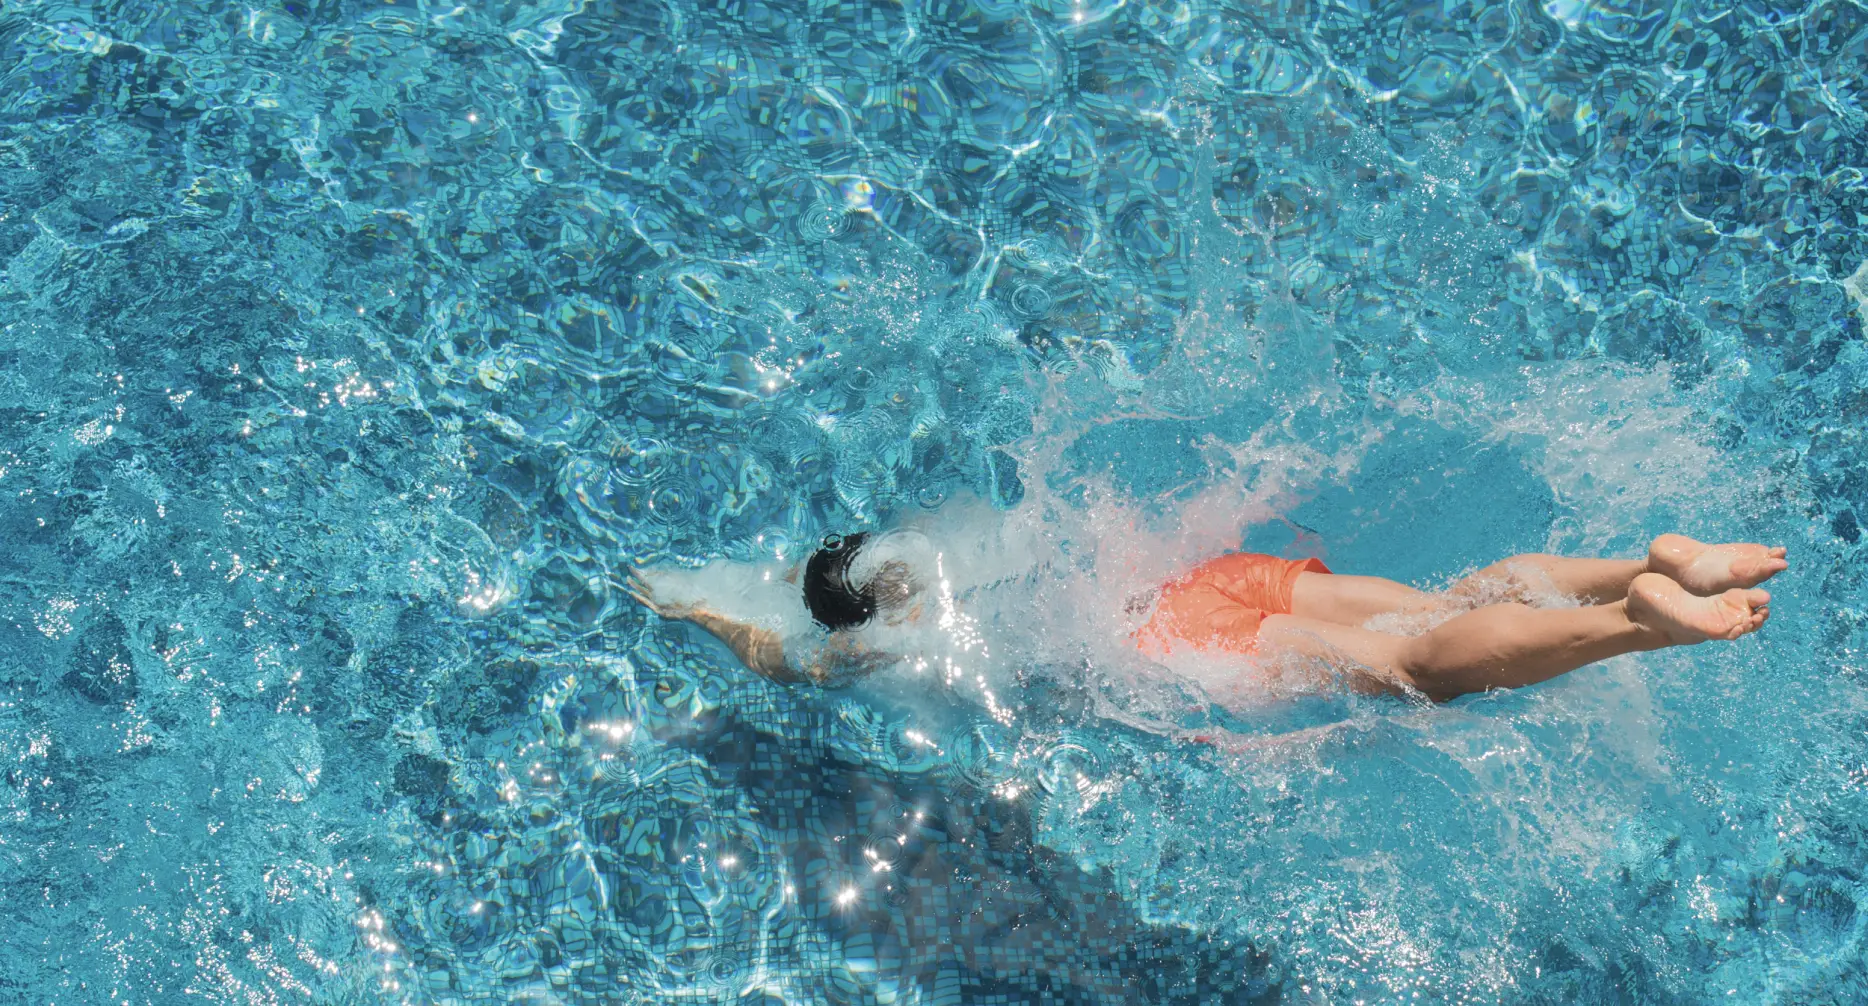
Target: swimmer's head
(834, 601)
(853, 577)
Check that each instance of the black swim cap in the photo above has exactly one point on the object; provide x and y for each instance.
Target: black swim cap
(834, 603)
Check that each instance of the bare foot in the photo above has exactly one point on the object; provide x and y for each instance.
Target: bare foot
(1660, 604)
(1710, 569)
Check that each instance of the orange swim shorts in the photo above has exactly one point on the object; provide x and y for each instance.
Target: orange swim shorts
(1219, 605)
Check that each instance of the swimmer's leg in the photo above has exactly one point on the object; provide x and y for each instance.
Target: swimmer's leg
(1701, 568)
(1511, 645)
(1353, 600)
(1525, 577)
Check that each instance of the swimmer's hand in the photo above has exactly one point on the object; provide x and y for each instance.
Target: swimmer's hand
(643, 591)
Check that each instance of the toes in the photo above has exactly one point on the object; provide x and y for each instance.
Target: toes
(1745, 612)
(1758, 569)
(1745, 626)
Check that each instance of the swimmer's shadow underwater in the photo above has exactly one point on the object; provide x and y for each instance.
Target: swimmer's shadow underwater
(968, 901)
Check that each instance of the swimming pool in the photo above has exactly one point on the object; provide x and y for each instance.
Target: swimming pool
(353, 351)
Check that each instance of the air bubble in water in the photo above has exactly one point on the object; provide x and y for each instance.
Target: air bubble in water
(1077, 757)
(672, 503)
(1031, 301)
(726, 970)
(980, 755)
(988, 316)
(1034, 253)
(780, 436)
(1374, 222)
(884, 849)
(905, 749)
(823, 222)
(811, 466)
(619, 771)
(859, 380)
(678, 368)
(777, 543)
(863, 481)
(639, 461)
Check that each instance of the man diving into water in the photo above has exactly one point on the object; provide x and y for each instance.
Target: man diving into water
(1684, 592)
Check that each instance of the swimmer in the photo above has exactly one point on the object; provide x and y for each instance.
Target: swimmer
(1684, 592)
(850, 588)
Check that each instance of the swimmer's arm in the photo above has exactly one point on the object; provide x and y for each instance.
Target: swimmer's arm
(761, 650)
(839, 661)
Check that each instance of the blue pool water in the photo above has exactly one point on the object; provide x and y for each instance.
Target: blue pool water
(355, 350)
